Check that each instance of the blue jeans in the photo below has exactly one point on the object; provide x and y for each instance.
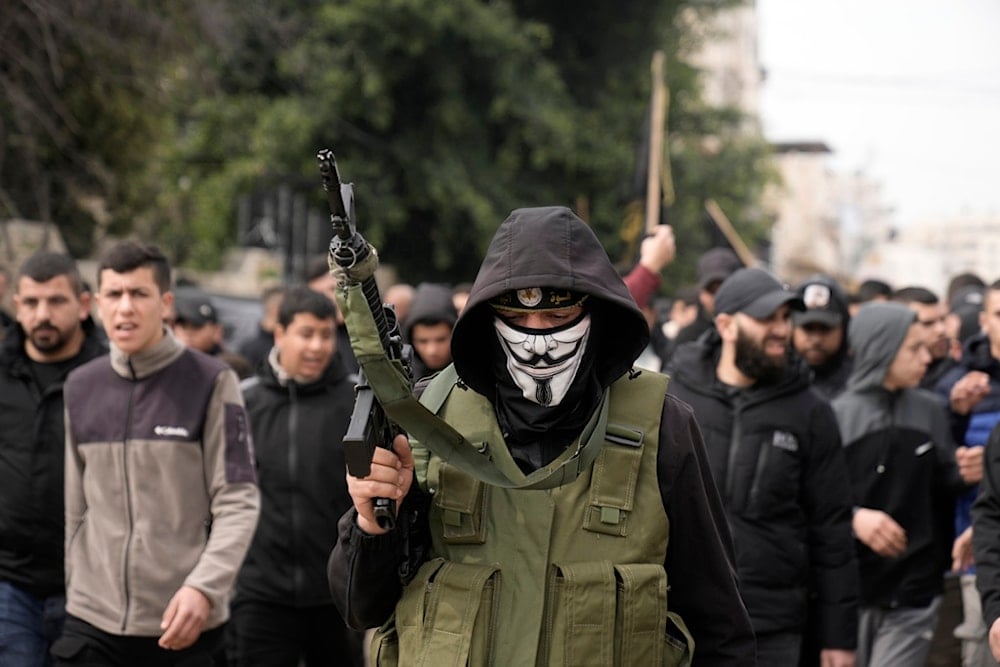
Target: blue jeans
(28, 626)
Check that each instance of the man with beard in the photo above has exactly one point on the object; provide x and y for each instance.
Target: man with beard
(820, 335)
(775, 453)
(53, 335)
(558, 545)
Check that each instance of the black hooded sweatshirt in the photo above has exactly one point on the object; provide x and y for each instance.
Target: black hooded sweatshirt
(776, 456)
(432, 304)
(551, 247)
(901, 461)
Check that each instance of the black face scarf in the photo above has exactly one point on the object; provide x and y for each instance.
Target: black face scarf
(536, 434)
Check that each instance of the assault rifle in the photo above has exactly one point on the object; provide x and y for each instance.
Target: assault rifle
(357, 260)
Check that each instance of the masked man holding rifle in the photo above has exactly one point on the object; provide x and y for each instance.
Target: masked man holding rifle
(570, 515)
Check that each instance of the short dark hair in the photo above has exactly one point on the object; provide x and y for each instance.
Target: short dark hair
(301, 299)
(965, 279)
(687, 294)
(871, 289)
(127, 256)
(915, 295)
(44, 266)
(317, 267)
(272, 292)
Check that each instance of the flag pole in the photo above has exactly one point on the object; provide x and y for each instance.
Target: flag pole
(658, 115)
(727, 229)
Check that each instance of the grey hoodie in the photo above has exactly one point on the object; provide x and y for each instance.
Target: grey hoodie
(900, 460)
(875, 335)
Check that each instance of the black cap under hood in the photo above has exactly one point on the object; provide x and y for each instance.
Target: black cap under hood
(548, 247)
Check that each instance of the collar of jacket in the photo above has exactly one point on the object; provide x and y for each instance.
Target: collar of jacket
(145, 363)
(273, 373)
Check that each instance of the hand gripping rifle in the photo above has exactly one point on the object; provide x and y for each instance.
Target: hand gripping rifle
(354, 262)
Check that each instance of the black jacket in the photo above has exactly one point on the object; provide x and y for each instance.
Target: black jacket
(901, 461)
(297, 433)
(32, 459)
(776, 456)
(550, 247)
(986, 531)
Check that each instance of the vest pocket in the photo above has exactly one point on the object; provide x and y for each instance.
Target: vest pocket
(612, 493)
(461, 500)
(603, 615)
(446, 615)
(384, 647)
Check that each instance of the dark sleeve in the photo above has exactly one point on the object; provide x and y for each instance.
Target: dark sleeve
(957, 423)
(366, 572)
(700, 555)
(986, 531)
(942, 435)
(827, 502)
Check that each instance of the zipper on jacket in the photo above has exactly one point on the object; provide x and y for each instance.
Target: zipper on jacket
(298, 577)
(887, 443)
(128, 497)
(762, 456)
(735, 436)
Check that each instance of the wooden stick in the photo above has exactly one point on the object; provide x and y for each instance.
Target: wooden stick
(727, 229)
(658, 114)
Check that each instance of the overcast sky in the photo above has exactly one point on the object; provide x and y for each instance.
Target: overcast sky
(908, 91)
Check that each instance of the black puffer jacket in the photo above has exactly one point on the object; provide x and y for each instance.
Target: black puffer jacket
(297, 433)
(32, 458)
(775, 453)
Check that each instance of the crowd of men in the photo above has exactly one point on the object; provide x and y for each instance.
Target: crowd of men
(820, 458)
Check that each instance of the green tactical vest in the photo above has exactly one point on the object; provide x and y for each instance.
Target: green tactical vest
(568, 575)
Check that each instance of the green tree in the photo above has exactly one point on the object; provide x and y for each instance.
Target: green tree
(78, 110)
(446, 115)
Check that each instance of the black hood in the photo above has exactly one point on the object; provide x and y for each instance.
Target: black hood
(549, 247)
(432, 303)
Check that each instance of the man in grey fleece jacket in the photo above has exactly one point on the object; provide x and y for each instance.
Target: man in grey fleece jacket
(901, 462)
(161, 492)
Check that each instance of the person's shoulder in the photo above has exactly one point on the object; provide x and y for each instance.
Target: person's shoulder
(89, 371)
(924, 402)
(250, 385)
(209, 364)
(677, 424)
(677, 408)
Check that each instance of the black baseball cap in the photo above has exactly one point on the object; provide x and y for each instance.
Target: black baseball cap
(716, 265)
(825, 302)
(756, 293)
(194, 307)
